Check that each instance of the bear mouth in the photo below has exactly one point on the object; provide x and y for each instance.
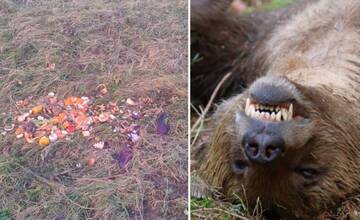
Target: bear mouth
(271, 112)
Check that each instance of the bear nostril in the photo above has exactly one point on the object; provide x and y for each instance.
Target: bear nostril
(263, 148)
(254, 149)
(270, 150)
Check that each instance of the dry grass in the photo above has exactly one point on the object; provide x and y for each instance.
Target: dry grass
(138, 49)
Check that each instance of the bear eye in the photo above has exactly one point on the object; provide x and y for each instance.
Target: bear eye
(239, 166)
(308, 173)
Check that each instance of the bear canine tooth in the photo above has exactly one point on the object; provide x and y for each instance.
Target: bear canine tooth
(247, 111)
(247, 105)
(291, 111)
(250, 110)
(253, 112)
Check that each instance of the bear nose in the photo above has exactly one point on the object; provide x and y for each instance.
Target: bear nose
(263, 148)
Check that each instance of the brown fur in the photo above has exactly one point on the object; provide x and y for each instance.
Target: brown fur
(225, 42)
(318, 50)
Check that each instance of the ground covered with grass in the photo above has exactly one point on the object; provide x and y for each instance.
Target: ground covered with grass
(138, 50)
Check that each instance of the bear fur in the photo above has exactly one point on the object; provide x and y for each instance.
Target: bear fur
(313, 46)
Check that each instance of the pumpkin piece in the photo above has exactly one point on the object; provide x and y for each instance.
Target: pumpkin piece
(79, 117)
(37, 109)
(44, 141)
(73, 101)
(59, 118)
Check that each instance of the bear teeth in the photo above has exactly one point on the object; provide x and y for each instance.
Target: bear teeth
(269, 112)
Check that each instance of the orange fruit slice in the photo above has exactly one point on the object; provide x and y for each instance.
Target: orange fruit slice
(44, 141)
(37, 109)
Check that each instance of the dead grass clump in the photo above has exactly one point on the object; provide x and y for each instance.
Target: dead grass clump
(7, 6)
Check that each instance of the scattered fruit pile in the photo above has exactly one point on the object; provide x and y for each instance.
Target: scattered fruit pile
(55, 119)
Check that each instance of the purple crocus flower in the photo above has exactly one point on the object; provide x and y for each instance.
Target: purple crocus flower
(162, 127)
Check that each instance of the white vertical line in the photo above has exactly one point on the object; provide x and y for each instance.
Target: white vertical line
(189, 114)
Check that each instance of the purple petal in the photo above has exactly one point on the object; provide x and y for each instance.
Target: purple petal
(133, 137)
(107, 144)
(135, 115)
(162, 127)
(123, 157)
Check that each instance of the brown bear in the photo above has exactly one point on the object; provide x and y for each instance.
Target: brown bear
(291, 138)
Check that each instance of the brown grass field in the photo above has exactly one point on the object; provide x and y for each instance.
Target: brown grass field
(138, 49)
